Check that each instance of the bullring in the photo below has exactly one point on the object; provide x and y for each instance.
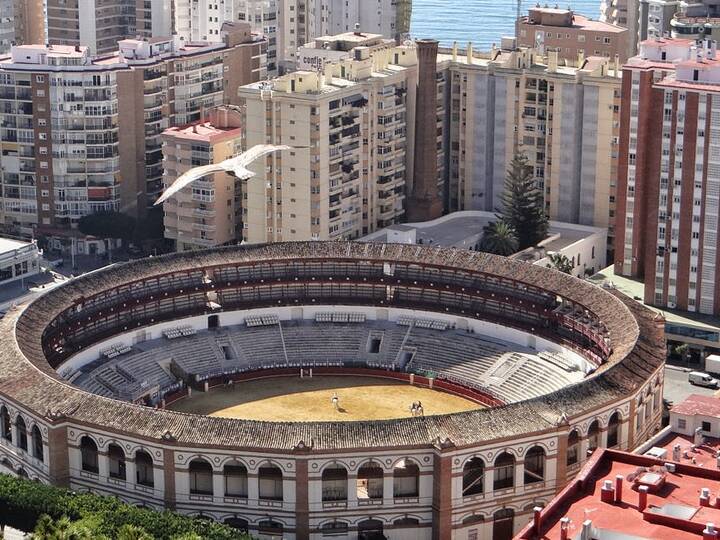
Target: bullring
(471, 474)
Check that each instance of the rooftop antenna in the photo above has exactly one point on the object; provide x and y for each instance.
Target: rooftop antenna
(519, 9)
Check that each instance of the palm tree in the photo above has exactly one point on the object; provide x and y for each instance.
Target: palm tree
(560, 262)
(499, 238)
(132, 532)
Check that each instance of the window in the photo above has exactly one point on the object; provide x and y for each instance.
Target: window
(88, 455)
(21, 430)
(504, 471)
(271, 483)
(534, 465)
(681, 424)
(573, 448)
(5, 425)
(613, 430)
(370, 482)
(593, 436)
(144, 469)
(116, 456)
(706, 426)
(236, 480)
(406, 479)
(201, 477)
(37, 444)
(334, 484)
(473, 477)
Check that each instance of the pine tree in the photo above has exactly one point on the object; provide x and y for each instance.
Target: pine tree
(523, 203)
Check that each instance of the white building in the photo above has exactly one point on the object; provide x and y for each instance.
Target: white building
(584, 246)
(697, 411)
(18, 260)
(202, 20)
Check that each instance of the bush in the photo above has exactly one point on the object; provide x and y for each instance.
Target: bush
(23, 502)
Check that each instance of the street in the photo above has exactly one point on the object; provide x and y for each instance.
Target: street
(677, 387)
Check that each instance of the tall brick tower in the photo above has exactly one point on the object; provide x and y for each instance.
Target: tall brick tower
(425, 201)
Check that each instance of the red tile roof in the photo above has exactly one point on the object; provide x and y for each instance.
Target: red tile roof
(697, 404)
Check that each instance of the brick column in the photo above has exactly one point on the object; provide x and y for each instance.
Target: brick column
(58, 456)
(302, 500)
(169, 477)
(442, 497)
(561, 462)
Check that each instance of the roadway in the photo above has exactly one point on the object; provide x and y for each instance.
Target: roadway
(677, 387)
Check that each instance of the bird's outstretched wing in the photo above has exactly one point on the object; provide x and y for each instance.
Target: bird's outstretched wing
(258, 151)
(188, 178)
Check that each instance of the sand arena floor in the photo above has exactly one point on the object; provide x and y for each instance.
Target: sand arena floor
(310, 399)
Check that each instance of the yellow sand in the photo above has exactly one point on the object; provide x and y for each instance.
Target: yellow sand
(310, 399)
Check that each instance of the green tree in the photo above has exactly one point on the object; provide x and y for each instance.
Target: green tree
(560, 262)
(108, 225)
(523, 203)
(132, 532)
(499, 238)
(63, 529)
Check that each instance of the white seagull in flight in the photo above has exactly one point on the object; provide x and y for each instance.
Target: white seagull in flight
(235, 166)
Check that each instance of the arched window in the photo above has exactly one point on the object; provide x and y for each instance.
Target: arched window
(593, 436)
(116, 458)
(5, 425)
(37, 444)
(473, 477)
(573, 448)
(613, 430)
(406, 522)
(504, 471)
(503, 524)
(201, 477)
(21, 430)
(271, 483)
(334, 483)
(475, 519)
(236, 480)
(334, 527)
(270, 527)
(89, 454)
(534, 465)
(144, 469)
(370, 529)
(370, 482)
(237, 523)
(406, 479)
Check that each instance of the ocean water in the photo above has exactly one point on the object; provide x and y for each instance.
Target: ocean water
(481, 21)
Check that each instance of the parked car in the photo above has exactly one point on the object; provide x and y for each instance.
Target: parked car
(702, 379)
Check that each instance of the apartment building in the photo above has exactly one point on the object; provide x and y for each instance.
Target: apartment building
(656, 17)
(21, 21)
(564, 119)
(571, 34)
(96, 24)
(625, 13)
(202, 20)
(300, 21)
(696, 20)
(66, 151)
(202, 215)
(354, 123)
(669, 181)
(154, 18)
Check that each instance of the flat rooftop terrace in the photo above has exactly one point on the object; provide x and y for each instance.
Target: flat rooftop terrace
(673, 511)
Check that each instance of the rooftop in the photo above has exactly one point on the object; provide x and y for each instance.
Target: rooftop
(635, 289)
(699, 404)
(9, 244)
(205, 131)
(673, 511)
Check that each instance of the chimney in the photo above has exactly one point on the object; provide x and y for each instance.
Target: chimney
(564, 528)
(704, 497)
(328, 68)
(469, 53)
(425, 202)
(642, 498)
(607, 492)
(537, 512)
(552, 61)
(586, 532)
(710, 533)
(454, 51)
(618, 488)
(581, 59)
